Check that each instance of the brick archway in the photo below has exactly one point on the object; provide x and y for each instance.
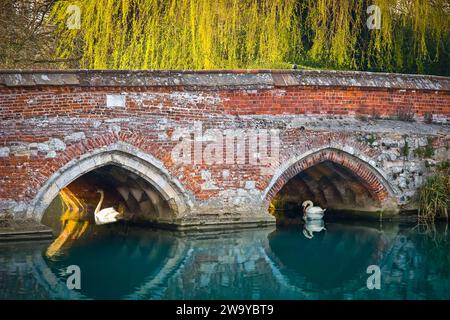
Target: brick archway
(373, 180)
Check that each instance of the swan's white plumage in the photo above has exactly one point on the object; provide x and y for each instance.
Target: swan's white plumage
(311, 212)
(107, 215)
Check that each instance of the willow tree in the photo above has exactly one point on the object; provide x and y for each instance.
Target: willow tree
(199, 34)
(413, 34)
(206, 34)
(25, 39)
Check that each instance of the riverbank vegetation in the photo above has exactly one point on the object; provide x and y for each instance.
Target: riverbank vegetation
(434, 198)
(413, 36)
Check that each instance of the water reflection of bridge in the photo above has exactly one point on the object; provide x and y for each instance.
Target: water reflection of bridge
(252, 264)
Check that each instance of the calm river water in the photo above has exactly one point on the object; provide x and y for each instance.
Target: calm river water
(267, 263)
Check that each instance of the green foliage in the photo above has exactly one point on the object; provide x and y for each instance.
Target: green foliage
(434, 198)
(179, 34)
(371, 139)
(404, 151)
(426, 151)
(206, 34)
(444, 166)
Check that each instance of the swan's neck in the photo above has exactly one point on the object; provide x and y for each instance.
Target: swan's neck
(99, 203)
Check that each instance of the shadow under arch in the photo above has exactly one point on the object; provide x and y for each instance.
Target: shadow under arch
(360, 167)
(121, 155)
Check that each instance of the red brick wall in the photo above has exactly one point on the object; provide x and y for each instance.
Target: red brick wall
(299, 100)
(38, 113)
(337, 101)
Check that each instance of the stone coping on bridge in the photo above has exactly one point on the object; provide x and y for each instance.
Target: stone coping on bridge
(222, 79)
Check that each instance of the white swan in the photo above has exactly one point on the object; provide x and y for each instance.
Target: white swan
(310, 212)
(107, 215)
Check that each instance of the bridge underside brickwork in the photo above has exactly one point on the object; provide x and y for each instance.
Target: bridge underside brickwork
(218, 148)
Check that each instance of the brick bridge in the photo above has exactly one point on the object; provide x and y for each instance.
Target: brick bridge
(214, 148)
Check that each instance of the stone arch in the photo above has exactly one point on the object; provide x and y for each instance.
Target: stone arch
(362, 166)
(124, 156)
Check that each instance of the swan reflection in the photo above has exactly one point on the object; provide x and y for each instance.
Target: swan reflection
(312, 226)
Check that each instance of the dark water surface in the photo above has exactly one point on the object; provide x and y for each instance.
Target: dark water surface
(266, 263)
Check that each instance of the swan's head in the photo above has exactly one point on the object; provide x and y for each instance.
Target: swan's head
(99, 191)
(307, 203)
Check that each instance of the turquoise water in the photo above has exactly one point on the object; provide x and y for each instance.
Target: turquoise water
(267, 263)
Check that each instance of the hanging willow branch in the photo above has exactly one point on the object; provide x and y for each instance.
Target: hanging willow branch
(178, 34)
(207, 34)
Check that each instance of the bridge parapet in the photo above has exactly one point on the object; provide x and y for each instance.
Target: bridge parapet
(223, 79)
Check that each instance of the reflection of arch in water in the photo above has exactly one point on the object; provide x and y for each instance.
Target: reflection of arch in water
(226, 261)
(54, 287)
(331, 261)
(110, 274)
(153, 288)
